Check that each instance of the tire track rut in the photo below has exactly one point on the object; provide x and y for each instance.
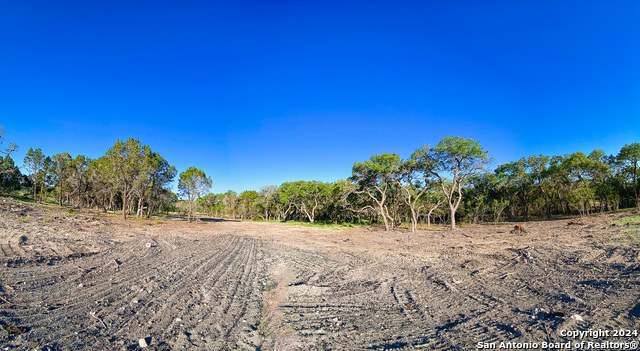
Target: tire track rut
(202, 294)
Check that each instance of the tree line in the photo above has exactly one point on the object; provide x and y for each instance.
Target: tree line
(445, 184)
(130, 178)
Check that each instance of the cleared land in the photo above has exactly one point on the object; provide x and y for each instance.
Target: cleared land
(87, 281)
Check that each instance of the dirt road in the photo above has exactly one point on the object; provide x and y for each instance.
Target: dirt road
(87, 281)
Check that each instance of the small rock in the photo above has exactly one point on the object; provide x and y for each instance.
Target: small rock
(577, 317)
(80, 285)
(144, 342)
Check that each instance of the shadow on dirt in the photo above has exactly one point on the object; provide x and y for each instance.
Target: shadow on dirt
(217, 220)
(174, 217)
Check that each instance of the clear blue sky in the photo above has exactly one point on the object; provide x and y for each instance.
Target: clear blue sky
(263, 92)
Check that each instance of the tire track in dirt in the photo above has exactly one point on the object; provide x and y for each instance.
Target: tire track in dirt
(196, 295)
(180, 293)
(190, 296)
(172, 290)
(227, 293)
(334, 309)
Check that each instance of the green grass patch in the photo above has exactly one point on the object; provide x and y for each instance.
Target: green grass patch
(628, 221)
(630, 230)
(333, 226)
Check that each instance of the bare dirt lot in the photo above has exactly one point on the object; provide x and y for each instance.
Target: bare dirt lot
(74, 281)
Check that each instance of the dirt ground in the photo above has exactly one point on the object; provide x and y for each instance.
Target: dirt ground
(87, 281)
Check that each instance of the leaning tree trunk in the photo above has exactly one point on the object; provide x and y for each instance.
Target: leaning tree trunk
(384, 216)
(414, 220)
(139, 211)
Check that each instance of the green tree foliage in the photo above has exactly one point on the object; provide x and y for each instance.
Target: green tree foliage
(538, 168)
(230, 201)
(374, 178)
(415, 178)
(102, 181)
(126, 160)
(265, 201)
(453, 161)
(44, 178)
(34, 161)
(308, 197)
(130, 176)
(339, 207)
(193, 183)
(247, 202)
(303, 200)
(139, 174)
(80, 190)
(629, 157)
(6, 166)
(385, 188)
(155, 175)
(162, 175)
(212, 204)
(281, 202)
(9, 175)
(60, 168)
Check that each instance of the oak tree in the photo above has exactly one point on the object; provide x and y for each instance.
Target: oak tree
(454, 160)
(374, 178)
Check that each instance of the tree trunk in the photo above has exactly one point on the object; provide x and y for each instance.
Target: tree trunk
(414, 220)
(140, 209)
(384, 216)
(635, 185)
(124, 205)
(546, 204)
(453, 217)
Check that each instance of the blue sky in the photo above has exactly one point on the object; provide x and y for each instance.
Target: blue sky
(259, 93)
